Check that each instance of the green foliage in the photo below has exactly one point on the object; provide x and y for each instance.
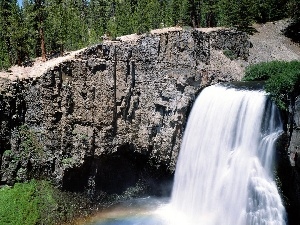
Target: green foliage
(98, 17)
(29, 140)
(282, 79)
(7, 153)
(240, 14)
(56, 26)
(123, 19)
(146, 16)
(230, 54)
(68, 161)
(209, 13)
(264, 70)
(19, 205)
(35, 202)
(178, 10)
(4, 58)
(269, 10)
(13, 34)
(294, 9)
(39, 202)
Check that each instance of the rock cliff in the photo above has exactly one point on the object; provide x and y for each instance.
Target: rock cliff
(289, 163)
(116, 112)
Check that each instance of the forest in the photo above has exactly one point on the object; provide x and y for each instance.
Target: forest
(48, 28)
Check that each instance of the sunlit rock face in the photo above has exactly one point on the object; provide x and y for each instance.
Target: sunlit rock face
(123, 101)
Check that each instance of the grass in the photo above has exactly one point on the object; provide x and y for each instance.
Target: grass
(34, 202)
(19, 204)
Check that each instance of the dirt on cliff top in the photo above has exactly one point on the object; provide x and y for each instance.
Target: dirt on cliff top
(37, 69)
(268, 42)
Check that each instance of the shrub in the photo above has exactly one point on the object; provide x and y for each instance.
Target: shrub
(282, 79)
(35, 202)
(230, 54)
(19, 205)
(30, 142)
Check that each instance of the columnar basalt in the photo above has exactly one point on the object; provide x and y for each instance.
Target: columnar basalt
(115, 112)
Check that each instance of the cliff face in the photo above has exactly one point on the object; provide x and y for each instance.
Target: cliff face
(114, 114)
(289, 163)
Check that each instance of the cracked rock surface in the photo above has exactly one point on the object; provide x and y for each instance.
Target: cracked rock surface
(116, 112)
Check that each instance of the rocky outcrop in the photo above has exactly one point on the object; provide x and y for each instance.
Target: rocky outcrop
(289, 163)
(116, 113)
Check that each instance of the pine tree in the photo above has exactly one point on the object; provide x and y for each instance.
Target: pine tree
(124, 18)
(269, 10)
(147, 15)
(4, 41)
(210, 13)
(178, 12)
(195, 12)
(66, 25)
(155, 13)
(79, 36)
(39, 8)
(240, 14)
(294, 10)
(13, 34)
(141, 19)
(31, 26)
(98, 17)
(16, 34)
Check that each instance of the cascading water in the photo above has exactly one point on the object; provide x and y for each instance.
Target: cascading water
(224, 173)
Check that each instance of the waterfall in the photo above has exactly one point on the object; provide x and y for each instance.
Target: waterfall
(224, 174)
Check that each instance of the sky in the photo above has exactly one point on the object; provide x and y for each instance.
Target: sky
(20, 2)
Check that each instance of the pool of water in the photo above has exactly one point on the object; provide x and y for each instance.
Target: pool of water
(143, 211)
(131, 220)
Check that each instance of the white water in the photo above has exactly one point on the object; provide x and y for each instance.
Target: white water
(224, 174)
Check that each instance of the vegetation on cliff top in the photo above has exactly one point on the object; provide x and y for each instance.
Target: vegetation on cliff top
(49, 27)
(282, 79)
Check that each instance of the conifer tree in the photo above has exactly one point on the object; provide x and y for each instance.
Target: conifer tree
(40, 13)
(16, 34)
(294, 10)
(141, 18)
(179, 12)
(124, 17)
(239, 13)
(209, 13)
(66, 25)
(195, 12)
(269, 10)
(155, 13)
(4, 41)
(42, 26)
(31, 26)
(98, 16)
(147, 16)
(13, 34)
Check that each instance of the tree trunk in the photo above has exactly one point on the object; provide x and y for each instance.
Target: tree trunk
(61, 49)
(195, 10)
(42, 37)
(19, 58)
